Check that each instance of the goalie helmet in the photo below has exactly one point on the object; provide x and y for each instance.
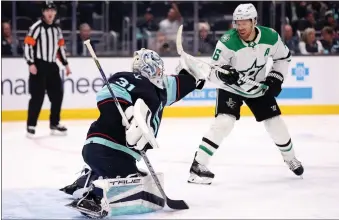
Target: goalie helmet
(245, 12)
(149, 64)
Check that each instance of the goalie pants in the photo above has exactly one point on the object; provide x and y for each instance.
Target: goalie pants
(47, 79)
(107, 162)
(263, 107)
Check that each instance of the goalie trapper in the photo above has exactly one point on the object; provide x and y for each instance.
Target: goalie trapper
(200, 174)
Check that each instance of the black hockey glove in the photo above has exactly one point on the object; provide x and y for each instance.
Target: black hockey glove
(230, 78)
(274, 81)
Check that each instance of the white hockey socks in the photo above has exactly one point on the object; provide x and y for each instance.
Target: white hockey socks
(278, 132)
(221, 127)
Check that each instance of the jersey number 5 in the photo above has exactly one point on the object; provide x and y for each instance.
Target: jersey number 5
(125, 84)
(216, 54)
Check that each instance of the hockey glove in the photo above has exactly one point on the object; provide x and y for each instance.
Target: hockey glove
(230, 78)
(274, 81)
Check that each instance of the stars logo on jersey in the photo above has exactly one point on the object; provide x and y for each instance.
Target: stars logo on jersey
(225, 38)
(251, 72)
(252, 44)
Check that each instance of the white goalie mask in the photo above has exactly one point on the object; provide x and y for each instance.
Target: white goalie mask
(245, 12)
(149, 64)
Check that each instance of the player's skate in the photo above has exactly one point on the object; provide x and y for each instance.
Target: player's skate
(58, 130)
(295, 166)
(30, 131)
(200, 174)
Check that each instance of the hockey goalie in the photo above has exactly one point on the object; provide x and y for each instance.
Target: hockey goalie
(114, 185)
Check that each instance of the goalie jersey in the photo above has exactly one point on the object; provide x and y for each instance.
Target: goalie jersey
(128, 87)
(250, 58)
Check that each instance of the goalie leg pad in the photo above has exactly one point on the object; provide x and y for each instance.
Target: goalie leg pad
(131, 195)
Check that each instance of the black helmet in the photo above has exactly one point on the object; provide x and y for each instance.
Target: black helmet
(48, 5)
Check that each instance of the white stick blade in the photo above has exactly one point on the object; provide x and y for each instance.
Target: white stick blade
(179, 40)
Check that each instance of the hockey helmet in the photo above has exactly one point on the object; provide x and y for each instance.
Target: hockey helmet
(150, 65)
(245, 12)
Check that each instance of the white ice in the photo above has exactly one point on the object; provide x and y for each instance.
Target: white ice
(252, 181)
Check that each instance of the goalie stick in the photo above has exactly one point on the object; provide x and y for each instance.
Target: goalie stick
(173, 204)
(180, 50)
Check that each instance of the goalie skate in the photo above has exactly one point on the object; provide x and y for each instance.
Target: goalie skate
(295, 166)
(88, 208)
(199, 174)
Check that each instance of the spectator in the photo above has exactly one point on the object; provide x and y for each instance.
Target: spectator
(308, 22)
(292, 42)
(85, 34)
(330, 21)
(147, 24)
(206, 44)
(7, 44)
(301, 9)
(170, 25)
(318, 8)
(330, 44)
(309, 44)
(163, 46)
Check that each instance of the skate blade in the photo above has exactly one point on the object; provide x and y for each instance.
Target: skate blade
(199, 180)
(84, 211)
(58, 133)
(30, 136)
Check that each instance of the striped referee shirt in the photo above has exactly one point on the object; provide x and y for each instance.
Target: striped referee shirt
(44, 42)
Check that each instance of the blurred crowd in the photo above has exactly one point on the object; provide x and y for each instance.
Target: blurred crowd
(310, 27)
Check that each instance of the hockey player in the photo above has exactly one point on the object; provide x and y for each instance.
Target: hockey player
(111, 149)
(244, 51)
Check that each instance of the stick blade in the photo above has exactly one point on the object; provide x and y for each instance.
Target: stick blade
(177, 204)
(179, 40)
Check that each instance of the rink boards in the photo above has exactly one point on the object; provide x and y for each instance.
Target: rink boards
(310, 88)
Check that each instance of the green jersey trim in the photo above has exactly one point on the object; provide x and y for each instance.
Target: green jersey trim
(232, 41)
(268, 36)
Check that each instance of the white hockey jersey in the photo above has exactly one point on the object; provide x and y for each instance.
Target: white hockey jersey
(250, 59)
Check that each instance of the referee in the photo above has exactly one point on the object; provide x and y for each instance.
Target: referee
(43, 44)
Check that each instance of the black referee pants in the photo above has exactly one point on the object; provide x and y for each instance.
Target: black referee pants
(47, 79)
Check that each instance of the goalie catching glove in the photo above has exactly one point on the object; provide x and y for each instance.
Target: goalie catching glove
(134, 135)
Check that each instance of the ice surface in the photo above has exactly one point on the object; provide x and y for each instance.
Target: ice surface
(252, 181)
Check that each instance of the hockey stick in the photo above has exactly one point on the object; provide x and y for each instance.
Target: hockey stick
(173, 204)
(180, 50)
